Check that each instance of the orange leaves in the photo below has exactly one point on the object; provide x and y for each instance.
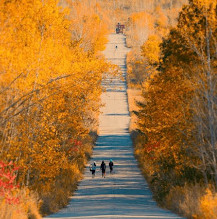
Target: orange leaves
(208, 205)
(205, 3)
(141, 25)
(151, 49)
(87, 27)
(178, 98)
(49, 87)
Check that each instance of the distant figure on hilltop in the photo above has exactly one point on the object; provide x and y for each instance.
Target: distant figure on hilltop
(93, 169)
(111, 164)
(103, 168)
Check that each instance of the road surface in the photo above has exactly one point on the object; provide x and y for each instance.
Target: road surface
(124, 194)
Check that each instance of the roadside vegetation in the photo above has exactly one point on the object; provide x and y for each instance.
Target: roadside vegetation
(175, 141)
(50, 85)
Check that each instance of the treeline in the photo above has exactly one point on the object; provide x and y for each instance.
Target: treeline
(152, 22)
(114, 11)
(176, 144)
(50, 84)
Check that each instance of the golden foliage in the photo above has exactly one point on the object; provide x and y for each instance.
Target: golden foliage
(177, 139)
(87, 27)
(145, 30)
(208, 205)
(140, 26)
(50, 86)
(151, 49)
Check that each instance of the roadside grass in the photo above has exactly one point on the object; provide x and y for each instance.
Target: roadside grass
(27, 206)
(185, 200)
(193, 201)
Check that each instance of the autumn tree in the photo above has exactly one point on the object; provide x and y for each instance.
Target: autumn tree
(50, 87)
(86, 25)
(201, 40)
(177, 118)
(140, 25)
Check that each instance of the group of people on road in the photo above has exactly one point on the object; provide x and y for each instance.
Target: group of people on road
(102, 168)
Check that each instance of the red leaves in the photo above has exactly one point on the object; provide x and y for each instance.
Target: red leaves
(148, 148)
(7, 182)
(76, 144)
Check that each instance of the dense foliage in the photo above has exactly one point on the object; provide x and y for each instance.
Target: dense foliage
(50, 86)
(178, 122)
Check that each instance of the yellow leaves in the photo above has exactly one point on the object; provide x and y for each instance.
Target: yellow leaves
(141, 25)
(162, 20)
(174, 110)
(49, 86)
(87, 27)
(206, 3)
(208, 205)
(151, 49)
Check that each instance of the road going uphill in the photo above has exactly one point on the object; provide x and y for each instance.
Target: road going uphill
(125, 193)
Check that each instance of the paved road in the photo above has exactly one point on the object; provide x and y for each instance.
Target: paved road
(124, 194)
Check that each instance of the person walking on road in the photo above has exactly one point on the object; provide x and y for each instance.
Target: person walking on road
(103, 168)
(111, 164)
(93, 169)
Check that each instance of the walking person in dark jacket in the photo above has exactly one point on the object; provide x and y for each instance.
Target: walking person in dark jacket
(103, 168)
(93, 169)
(111, 164)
